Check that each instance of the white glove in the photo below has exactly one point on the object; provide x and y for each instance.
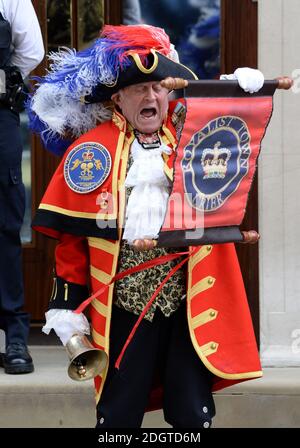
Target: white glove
(249, 79)
(65, 323)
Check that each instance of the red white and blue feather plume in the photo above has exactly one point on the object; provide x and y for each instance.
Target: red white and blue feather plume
(56, 108)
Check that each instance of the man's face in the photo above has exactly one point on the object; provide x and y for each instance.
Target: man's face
(144, 105)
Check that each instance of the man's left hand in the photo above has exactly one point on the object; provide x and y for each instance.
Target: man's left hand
(249, 79)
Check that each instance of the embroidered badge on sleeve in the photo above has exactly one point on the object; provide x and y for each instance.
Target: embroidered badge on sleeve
(86, 167)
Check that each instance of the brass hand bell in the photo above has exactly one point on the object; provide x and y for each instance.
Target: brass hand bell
(86, 361)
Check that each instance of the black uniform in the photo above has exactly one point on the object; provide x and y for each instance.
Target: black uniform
(13, 320)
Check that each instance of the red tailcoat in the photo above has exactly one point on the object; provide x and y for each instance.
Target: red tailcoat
(217, 309)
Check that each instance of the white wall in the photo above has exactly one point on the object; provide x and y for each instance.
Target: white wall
(279, 188)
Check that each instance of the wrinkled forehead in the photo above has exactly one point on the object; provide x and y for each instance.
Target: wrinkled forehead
(142, 85)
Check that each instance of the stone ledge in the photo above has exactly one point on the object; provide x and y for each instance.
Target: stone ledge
(48, 398)
(275, 381)
(50, 374)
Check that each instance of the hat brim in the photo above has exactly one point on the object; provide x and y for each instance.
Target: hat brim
(160, 68)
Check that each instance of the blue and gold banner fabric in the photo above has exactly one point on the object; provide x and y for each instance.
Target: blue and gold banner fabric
(216, 161)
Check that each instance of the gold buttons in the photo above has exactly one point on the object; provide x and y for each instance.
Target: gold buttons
(210, 281)
(212, 313)
(208, 248)
(104, 199)
(66, 291)
(213, 346)
(104, 204)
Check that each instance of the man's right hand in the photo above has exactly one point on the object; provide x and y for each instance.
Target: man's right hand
(65, 323)
(144, 244)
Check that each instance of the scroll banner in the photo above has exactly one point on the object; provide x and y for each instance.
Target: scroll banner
(216, 160)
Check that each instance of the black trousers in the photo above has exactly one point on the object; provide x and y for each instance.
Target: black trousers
(13, 320)
(163, 346)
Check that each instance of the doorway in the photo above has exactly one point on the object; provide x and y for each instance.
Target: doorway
(80, 22)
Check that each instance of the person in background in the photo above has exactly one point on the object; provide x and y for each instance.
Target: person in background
(21, 50)
(131, 12)
(200, 47)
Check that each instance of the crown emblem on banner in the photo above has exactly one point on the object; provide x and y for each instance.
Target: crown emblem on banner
(214, 162)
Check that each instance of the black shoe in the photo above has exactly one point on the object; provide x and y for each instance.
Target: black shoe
(17, 359)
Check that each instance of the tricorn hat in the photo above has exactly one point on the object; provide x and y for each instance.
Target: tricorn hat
(71, 97)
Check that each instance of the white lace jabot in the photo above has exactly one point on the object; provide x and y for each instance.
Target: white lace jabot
(148, 200)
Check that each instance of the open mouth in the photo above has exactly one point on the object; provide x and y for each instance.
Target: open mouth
(148, 112)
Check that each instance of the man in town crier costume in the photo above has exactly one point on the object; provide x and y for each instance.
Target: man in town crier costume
(197, 335)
